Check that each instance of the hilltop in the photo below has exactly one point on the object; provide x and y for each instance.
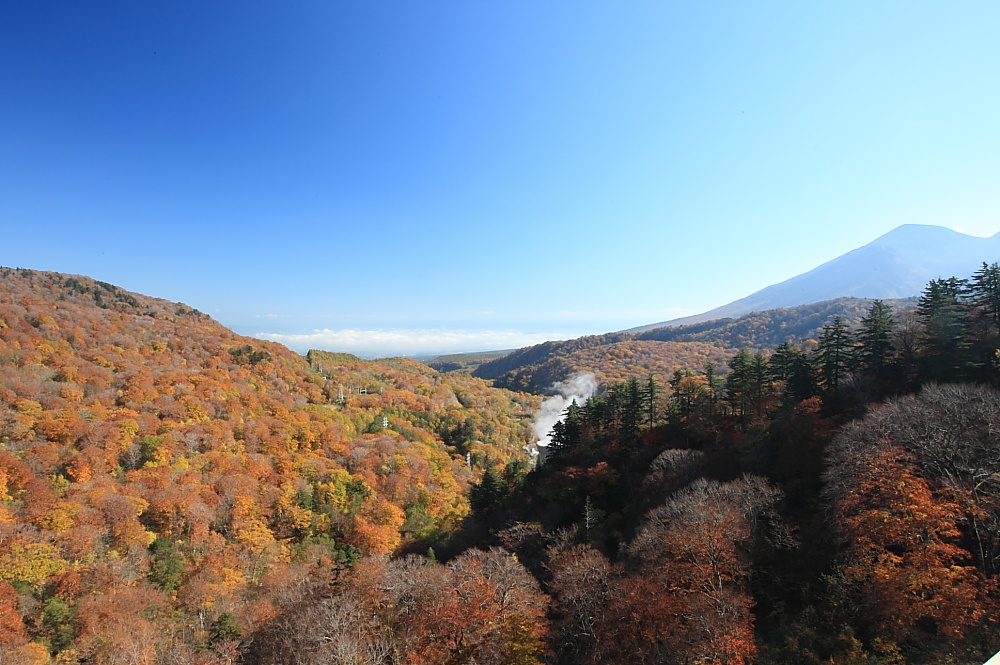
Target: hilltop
(146, 447)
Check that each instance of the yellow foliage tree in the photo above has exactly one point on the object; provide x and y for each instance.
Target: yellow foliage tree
(30, 563)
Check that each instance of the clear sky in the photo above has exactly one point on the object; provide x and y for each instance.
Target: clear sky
(414, 177)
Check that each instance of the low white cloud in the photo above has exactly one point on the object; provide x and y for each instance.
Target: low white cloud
(412, 342)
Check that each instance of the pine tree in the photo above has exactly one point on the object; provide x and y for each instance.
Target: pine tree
(944, 311)
(566, 433)
(790, 368)
(874, 352)
(224, 628)
(985, 298)
(595, 415)
(650, 395)
(739, 384)
(712, 377)
(633, 410)
(760, 383)
(984, 292)
(780, 362)
(833, 356)
(488, 493)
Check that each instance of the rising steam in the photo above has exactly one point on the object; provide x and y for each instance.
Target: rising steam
(580, 388)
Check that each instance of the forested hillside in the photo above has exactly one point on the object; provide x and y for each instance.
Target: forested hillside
(771, 328)
(617, 356)
(173, 493)
(464, 361)
(165, 483)
(609, 363)
(832, 504)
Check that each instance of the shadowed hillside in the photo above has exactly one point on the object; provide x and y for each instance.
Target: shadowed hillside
(464, 361)
(770, 328)
(662, 351)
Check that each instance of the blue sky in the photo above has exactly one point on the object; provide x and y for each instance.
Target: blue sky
(404, 177)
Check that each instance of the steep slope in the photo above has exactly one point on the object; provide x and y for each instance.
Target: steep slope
(160, 474)
(896, 265)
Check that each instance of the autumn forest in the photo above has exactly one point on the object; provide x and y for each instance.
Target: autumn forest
(805, 486)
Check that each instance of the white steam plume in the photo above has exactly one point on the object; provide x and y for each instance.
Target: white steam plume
(580, 388)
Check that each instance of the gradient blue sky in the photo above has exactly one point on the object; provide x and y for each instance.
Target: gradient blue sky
(415, 177)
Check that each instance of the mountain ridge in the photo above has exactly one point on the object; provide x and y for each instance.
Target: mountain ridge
(661, 351)
(897, 264)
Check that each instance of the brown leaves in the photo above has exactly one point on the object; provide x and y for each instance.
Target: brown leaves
(901, 552)
(681, 593)
(123, 418)
(483, 607)
(897, 482)
(12, 631)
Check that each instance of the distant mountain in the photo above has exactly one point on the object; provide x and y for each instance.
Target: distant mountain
(535, 369)
(463, 361)
(770, 328)
(619, 356)
(896, 265)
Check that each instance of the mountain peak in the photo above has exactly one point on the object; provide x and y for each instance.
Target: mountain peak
(919, 230)
(897, 264)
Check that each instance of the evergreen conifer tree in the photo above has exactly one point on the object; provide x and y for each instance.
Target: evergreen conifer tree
(738, 383)
(712, 377)
(874, 351)
(985, 297)
(632, 411)
(833, 356)
(790, 368)
(985, 292)
(566, 432)
(944, 310)
(650, 395)
(488, 493)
